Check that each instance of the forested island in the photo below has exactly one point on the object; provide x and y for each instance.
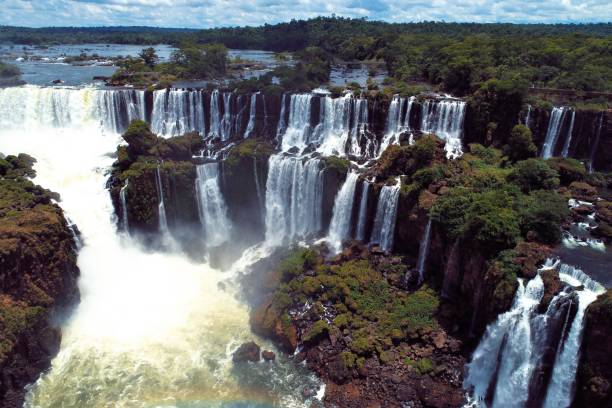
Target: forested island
(437, 236)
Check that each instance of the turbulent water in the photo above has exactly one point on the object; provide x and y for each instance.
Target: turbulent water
(152, 329)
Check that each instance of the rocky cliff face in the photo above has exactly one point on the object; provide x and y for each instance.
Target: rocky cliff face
(594, 387)
(38, 279)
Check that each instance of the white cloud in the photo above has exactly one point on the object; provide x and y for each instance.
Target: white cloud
(215, 13)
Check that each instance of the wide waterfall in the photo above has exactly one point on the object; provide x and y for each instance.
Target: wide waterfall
(70, 107)
(152, 328)
(177, 111)
(445, 119)
(340, 227)
(362, 214)
(294, 193)
(383, 230)
(555, 125)
(508, 368)
(211, 205)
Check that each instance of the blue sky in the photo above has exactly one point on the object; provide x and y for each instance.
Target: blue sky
(215, 13)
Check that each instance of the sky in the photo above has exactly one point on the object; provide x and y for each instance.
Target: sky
(216, 13)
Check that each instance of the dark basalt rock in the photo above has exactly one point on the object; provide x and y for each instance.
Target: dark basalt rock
(247, 352)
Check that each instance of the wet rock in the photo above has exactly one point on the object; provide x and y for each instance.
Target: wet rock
(249, 351)
(268, 355)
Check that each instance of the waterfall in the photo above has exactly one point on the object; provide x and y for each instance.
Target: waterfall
(215, 115)
(384, 221)
(561, 389)
(147, 320)
(227, 122)
(340, 227)
(252, 115)
(423, 251)
(502, 372)
(124, 212)
(568, 139)
(260, 196)
(163, 221)
(211, 205)
(298, 129)
(552, 133)
(333, 130)
(282, 124)
(294, 192)
(528, 116)
(395, 125)
(363, 208)
(444, 118)
(596, 142)
(55, 107)
(359, 129)
(176, 112)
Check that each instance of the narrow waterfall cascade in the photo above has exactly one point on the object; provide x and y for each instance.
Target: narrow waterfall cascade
(124, 213)
(34, 106)
(445, 119)
(383, 230)
(226, 125)
(596, 143)
(340, 227)
(503, 370)
(528, 116)
(282, 120)
(394, 123)
(362, 214)
(215, 115)
(298, 130)
(424, 251)
(332, 132)
(568, 138)
(252, 115)
(177, 111)
(152, 328)
(163, 220)
(554, 129)
(211, 205)
(359, 131)
(294, 193)
(261, 199)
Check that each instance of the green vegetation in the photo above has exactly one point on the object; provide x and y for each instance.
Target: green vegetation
(520, 144)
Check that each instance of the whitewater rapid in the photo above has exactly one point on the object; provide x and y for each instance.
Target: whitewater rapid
(152, 329)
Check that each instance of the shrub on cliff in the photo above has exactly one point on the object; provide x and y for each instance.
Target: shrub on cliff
(569, 169)
(139, 138)
(541, 214)
(520, 144)
(534, 174)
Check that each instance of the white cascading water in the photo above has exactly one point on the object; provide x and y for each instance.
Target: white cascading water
(332, 132)
(161, 208)
(282, 121)
(226, 126)
(423, 251)
(215, 115)
(211, 205)
(362, 215)
(33, 106)
(340, 226)
(176, 112)
(554, 129)
(596, 142)
(298, 131)
(294, 193)
(252, 115)
(512, 347)
(568, 138)
(124, 214)
(444, 118)
(152, 329)
(383, 230)
(528, 115)
(398, 121)
(359, 131)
